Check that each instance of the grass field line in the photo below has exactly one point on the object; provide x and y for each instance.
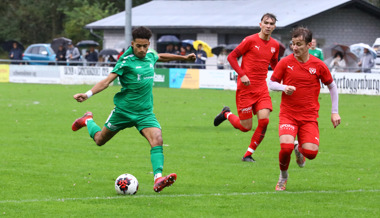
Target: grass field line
(190, 195)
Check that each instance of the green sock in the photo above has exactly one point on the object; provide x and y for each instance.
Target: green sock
(157, 159)
(92, 128)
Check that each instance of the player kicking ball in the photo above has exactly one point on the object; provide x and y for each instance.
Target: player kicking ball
(300, 74)
(134, 103)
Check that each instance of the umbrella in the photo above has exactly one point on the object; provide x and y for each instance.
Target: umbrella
(187, 42)
(168, 39)
(59, 41)
(8, 45)
(206, 47)
(350, 58)
(358, 49)
(218, 49)
(231, 47)
(87, 43)
(108, 51)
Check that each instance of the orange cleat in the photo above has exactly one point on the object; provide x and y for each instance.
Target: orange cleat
(163, 182)
(81, 122)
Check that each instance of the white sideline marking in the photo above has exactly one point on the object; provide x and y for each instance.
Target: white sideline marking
(186, 195)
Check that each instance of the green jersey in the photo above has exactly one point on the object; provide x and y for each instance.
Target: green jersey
(136, 78)
(317, 52)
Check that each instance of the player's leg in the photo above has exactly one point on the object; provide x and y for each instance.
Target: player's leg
(258, 135)
(100, 136)
(309, 140)
(243, 125)
(154, 137)
(287, 146)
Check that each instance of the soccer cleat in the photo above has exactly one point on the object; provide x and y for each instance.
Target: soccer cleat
(163, 182)
(81, 122)
(281, 184)
(220, 117)
(248, 159)
(299, 157)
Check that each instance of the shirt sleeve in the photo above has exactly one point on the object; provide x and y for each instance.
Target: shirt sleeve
(325, 76)
(279, 71)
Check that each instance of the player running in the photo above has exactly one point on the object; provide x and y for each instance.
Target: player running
(134, 103)
(252, 95)
(300, 74)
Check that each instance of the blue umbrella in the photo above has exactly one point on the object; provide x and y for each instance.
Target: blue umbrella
(187, 42)
(168, 39)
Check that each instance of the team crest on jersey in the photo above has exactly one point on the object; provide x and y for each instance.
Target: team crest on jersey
(312, 71)
(273, 50)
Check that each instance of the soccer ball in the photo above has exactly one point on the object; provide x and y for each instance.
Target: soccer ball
(126, 184)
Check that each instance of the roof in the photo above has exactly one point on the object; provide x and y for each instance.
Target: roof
(220, 14)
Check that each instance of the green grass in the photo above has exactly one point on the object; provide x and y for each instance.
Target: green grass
(47, 170)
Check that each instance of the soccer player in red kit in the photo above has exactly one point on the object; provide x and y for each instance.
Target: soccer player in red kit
(252, 95)
(301, 74)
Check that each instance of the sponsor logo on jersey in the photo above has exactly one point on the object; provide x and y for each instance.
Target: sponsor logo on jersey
(273, 50)
(246, 110)
(290, 67)
(138, 67)
(312, 71)
(287, 127)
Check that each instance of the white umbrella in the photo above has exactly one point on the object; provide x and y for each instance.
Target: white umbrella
(358, 49)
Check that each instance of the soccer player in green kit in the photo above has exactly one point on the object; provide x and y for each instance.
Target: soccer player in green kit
(134, 103)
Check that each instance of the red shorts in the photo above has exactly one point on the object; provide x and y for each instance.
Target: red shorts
(250, 103)
(307, 131)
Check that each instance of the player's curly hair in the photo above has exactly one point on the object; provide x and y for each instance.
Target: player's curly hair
(141, 33)
(306, 34)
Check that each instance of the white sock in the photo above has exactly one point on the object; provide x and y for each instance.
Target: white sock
(158, 175)
(86, 120)
(284, 174)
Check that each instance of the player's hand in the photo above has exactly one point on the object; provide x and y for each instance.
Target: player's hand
(289, 90)
(80, 97)
(191, 57)
(245, 80)
(335, 119)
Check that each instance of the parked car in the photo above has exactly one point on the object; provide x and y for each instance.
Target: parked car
(39, 52)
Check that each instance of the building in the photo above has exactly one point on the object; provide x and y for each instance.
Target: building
(227, 22)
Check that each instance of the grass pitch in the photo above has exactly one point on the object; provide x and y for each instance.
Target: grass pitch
(47, 170)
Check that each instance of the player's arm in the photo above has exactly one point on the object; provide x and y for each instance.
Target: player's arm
(165, 57)
(276, 86)
(233, 60)
(98, 87)
(335, 118)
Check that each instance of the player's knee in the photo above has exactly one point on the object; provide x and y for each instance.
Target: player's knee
(157, 141)
(309, 154)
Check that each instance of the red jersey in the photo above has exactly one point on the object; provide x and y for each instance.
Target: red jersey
(303, 103)
(257, 55)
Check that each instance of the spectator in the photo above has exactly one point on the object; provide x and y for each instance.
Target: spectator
(72, 54)
(289, 49)
(120, 54)
(15, 54)
(338, 64)
(201, 57)
(366, 61)
(316, 52)
(222, 62)
(92, 56)
(61, 55)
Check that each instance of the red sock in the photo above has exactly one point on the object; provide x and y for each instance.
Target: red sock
(284, 155)
(258, 136)
(235, 121)
(309, 154)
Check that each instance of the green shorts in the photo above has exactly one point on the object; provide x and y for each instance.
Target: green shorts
(119, 120)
